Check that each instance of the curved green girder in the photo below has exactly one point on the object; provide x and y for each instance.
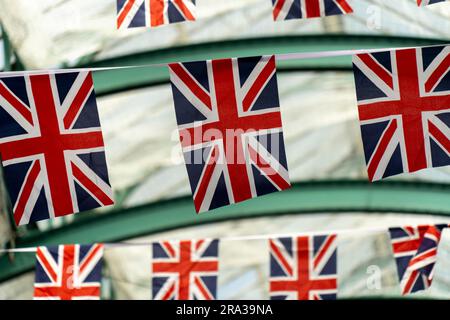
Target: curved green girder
(107, 82)
(302, 198)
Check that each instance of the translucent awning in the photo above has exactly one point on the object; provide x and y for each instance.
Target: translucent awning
(52, 33)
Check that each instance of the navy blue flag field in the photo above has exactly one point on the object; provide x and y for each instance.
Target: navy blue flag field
(51, 146)
(230, 129)
(153, 13)
(415, 252)
(185, 270)
(303, 9)
(303, 268)
(68, 272)
(404, 109)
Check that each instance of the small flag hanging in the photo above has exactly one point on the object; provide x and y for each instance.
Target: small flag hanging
(302, 9)
(404, 109)
(51, 146)
(415, 252)
(427, 2)
(185, 270)
(153, 13)
(68, 272)
(230, 129)
(303, 268)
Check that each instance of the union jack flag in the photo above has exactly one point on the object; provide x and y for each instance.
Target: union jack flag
(185, 270)
(230, 128)
(427, 2)
(303, 268)
(415, 252)
(51, 146)
(68, 272)
(153, 13)
(404, 109)
(301, 9)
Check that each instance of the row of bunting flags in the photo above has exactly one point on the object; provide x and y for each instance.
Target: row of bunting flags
(301, 267)
(229, 121)
(153, 13)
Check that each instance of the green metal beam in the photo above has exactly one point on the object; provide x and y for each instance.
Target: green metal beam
(331, 196)
(124, 79)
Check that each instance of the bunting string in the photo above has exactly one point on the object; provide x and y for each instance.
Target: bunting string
(279, 57)
(112, 245)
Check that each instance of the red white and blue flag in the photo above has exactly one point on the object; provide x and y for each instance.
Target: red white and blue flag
(415, 252)
(303, 268)
(68, 272)
(230, 129)
(404, 109)
(185, 270)
(51, 146)
(427, 2)
(302, 9)
(153, 13)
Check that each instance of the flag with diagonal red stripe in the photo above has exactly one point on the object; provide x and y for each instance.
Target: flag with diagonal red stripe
(185, 270)
(68, 272)
(51, 146)
(303, 268)
(230, 128)
(404, 109)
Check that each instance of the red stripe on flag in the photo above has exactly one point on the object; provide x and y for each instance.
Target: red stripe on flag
(270, 173)
(312, 8)
(47, 266)
(324, 249)
(184, 9)
(202, 188)
(91, 254)
(439, 136)
(344, 6)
